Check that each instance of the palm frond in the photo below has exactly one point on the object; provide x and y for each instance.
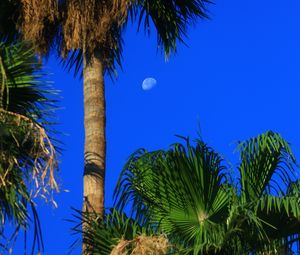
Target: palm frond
(25, 88)
(28, 160)
(183, 191)
(170, 18)
(280, 217)
(267, 165)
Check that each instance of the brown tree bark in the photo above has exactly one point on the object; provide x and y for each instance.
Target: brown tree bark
(95, 144)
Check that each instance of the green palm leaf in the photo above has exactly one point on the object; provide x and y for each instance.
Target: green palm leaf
(186, 194)
(184, 190)
(27, 154)
(267, 165)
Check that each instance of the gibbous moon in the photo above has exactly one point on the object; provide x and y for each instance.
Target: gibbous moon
(149, 83)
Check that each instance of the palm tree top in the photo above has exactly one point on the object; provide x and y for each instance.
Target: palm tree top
(69, 25)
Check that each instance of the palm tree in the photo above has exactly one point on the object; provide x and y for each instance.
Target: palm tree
(27, 154)
(190, 195)
(90, 32)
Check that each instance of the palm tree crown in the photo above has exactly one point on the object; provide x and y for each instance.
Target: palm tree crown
(188, 193)
(93, 24)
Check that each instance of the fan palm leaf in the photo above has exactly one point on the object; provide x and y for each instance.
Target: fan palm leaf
(184, 189)
(188, 193)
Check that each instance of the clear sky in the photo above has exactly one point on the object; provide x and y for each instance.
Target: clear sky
(238, 77)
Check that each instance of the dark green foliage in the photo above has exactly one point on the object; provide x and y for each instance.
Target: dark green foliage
(170, 18)
(27, 155)
(9, 15)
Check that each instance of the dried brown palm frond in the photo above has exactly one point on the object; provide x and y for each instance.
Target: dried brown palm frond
(88, 23)
(120, 248)
(151, 245)
(142, 245)
(38, 22)
(26, 145)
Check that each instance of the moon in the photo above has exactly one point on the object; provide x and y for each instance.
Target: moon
(149, 83)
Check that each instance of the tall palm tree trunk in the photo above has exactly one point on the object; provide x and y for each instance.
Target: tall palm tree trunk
(95, 144)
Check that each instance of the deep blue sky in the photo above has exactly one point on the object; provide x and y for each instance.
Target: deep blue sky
(239, 77)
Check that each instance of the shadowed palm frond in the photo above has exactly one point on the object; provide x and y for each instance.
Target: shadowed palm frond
(169, 18)
(280, 217)
(9, 14)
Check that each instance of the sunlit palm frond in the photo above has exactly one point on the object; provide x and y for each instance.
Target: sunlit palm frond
(267, 166)
(183, 190)
(185, 193)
